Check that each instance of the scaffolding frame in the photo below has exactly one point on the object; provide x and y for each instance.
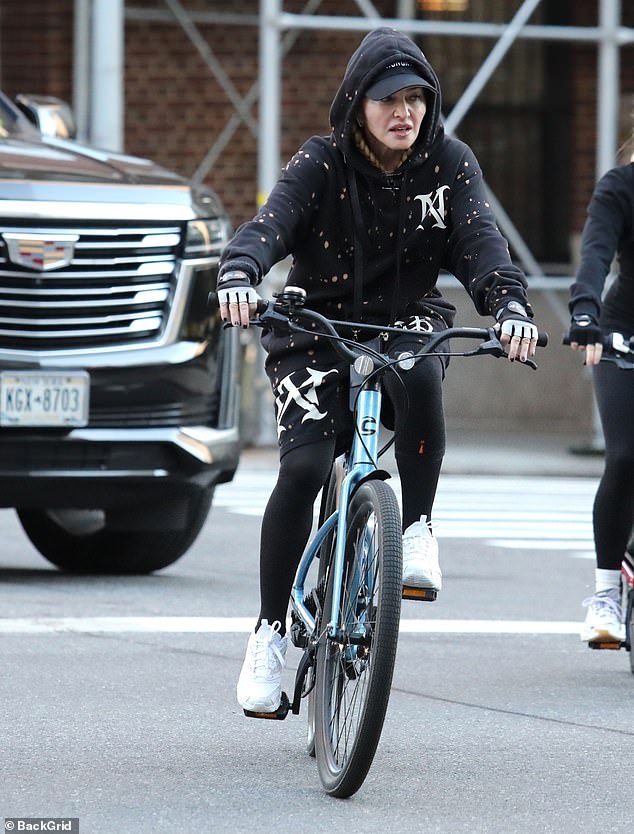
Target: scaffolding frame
(278, 31)
(609, 36)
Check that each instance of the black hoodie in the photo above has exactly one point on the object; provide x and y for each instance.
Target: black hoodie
(332, 209)
(609, 230)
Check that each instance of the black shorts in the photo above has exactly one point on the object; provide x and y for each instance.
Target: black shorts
(310, 383)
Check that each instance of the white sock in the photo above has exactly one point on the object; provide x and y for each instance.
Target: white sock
(607, 580)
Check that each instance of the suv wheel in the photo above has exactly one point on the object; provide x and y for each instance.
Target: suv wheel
(80, 541)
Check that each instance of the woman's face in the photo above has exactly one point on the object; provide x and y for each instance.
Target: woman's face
(392, 124)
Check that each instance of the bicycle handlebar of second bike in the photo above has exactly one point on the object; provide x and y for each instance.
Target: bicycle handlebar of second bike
(617, 349)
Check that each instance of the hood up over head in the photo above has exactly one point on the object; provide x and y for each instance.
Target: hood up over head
(386, 61)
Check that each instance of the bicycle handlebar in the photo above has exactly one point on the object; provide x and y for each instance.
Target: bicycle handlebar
(289, 305)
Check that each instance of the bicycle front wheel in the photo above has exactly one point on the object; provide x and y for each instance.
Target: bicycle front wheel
(629, 626)
(354, 669)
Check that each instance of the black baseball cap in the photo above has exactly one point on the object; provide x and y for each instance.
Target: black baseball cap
(395, 77)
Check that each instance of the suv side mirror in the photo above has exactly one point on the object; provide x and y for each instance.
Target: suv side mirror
(51, 115)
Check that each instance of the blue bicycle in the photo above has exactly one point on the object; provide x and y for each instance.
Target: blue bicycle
(348, 624)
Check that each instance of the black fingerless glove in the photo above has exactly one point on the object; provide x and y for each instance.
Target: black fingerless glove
(584, 330)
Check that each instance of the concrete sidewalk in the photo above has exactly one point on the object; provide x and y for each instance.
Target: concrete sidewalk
(491, 454)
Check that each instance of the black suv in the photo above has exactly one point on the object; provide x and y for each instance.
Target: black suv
(119, 388)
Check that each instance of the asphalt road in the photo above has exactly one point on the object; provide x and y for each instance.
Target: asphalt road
(117, 694)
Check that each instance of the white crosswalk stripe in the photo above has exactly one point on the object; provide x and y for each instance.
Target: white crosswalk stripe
(508, 512)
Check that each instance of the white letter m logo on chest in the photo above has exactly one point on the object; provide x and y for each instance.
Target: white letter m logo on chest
(433, 204)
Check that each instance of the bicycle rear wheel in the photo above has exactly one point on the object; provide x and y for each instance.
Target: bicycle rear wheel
(354, 670)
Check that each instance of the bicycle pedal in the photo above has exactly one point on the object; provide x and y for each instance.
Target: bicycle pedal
(611, 645)
(279, 715)
(423, 594)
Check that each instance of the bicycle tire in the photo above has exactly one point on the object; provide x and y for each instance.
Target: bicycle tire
(354, 672)
(629, 626)
(326, 508)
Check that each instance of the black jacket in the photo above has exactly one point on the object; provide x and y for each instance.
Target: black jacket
(401, 229)
(609, 230)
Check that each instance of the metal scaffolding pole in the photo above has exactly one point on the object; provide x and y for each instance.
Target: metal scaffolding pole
(270, 71)
(608, 94)
(608, 87)
(106, 77)
(81, 68)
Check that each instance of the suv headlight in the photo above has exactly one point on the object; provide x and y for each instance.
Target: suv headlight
(205, 237)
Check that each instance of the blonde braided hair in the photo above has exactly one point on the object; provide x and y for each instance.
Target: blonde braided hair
(368, 153)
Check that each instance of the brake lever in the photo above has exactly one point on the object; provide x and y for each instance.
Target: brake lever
(272, 320)
(493, 347)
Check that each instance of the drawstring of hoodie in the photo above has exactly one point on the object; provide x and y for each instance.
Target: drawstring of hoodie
(359, 259)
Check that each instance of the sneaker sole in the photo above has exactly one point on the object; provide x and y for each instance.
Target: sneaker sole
(258, 706)
(602, 639)
(423, 584)
(277, 715)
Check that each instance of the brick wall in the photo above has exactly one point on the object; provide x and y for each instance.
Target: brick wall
(36, 47)
(178, 126)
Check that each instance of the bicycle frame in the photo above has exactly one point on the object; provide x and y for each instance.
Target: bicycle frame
(362, 464)
(363, 457)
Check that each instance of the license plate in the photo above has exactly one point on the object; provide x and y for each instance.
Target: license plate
(36, 398)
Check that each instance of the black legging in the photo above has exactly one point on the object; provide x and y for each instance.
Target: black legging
(613, 512)
(419, 449)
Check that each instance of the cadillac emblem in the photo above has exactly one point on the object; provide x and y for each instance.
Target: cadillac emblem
(40, 252)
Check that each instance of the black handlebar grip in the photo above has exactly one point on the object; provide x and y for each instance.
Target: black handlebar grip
(542, 339)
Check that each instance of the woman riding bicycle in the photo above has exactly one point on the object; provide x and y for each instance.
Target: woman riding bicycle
(370, 214)
(609, 230)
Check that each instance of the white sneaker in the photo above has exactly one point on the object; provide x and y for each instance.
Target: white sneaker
(603, 622)
(420, 557)
(260, 683)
